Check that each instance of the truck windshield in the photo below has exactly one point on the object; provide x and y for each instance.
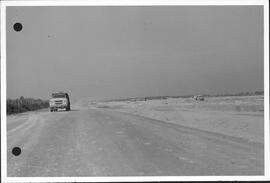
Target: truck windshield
(58, 95)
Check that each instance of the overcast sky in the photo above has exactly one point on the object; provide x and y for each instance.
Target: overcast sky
(119, 52)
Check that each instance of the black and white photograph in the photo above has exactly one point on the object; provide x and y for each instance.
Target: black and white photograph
(134, 91)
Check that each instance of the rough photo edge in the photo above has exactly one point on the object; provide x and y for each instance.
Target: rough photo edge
(4, 177)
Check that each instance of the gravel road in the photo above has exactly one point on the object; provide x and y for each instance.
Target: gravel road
(103, 142)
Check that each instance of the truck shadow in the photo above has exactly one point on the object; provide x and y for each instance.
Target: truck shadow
(74, 110)
(71, 110)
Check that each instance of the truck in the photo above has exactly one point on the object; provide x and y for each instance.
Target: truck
(59, 100)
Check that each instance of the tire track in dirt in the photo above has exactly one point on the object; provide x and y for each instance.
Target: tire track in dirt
(203, 133)
(25, 136)
(102, 142)
(202, 147)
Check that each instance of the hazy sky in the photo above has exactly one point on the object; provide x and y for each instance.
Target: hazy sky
(119, 52)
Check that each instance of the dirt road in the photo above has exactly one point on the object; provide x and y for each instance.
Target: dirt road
(102, 142)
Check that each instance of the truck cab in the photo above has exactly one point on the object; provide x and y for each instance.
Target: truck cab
(59, 100)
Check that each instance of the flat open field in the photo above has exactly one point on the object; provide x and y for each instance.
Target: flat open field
(172, 137)
(238, 116)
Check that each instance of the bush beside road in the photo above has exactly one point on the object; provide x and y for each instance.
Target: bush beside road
(25, 104)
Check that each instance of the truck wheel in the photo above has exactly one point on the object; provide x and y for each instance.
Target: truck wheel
(51, 110)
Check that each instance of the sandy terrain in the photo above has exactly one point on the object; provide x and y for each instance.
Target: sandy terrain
(234, 116)
(102, 140)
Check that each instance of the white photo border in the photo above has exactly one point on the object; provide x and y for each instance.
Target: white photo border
(263, 3)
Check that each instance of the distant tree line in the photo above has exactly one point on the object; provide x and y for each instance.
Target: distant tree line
(239, 94)
(25, 104)
(187, 96)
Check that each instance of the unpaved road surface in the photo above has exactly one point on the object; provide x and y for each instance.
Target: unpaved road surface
(103, 142)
